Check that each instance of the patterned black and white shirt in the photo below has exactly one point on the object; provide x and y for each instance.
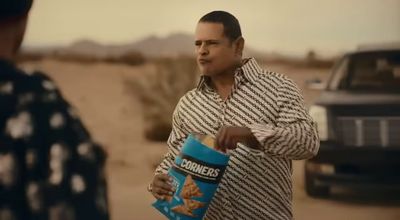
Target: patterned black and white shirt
(50, 169)
(257, 184)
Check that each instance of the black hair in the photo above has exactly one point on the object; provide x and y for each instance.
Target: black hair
(231, 24)
(14, 8)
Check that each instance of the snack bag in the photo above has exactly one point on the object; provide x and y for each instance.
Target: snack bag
(196, 173)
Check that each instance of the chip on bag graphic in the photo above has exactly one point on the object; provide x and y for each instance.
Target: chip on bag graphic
(182, 209)
(196, 173)
(193, 204)
(190, 189)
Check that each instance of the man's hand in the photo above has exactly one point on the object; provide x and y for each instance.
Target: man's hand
(228, 137)
(162, 186)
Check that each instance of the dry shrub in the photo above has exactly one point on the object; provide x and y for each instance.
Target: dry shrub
(76, 58)
(159, 91)
(300, 63)
(25, 56)
(131, 58)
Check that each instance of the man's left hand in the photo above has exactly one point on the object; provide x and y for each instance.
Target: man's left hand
(228, 137)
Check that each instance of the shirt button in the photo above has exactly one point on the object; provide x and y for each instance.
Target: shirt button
(237, 198)
(226, 202)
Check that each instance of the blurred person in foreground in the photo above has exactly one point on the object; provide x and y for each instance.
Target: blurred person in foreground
(257, 116)
(49, 166)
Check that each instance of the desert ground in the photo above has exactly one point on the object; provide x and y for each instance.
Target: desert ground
(114, 118)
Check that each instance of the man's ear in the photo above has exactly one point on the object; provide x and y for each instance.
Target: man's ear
(239, 45)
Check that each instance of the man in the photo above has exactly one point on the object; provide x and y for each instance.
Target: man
(257, 116)
(49, 166)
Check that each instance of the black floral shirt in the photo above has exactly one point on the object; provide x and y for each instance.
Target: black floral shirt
(50, 168)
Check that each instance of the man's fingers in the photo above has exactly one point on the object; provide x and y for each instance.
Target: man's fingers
(163, 185)
(162, 192)
(158, 196)
(164, 177)
(233, 141)
(226, 140)
(162, 180)
(221, 137)
(218, 139)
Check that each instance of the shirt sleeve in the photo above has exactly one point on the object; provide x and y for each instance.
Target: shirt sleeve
(174, 143)
(294, 136)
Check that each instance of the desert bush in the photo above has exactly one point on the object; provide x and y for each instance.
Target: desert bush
(28, 56)
(75, 57)
(160, 90)
(132, 58)
(129, 58)
(312, 60)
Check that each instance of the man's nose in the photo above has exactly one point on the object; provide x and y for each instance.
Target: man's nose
(202, 50)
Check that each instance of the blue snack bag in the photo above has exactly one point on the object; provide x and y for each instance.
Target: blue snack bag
(196, 173)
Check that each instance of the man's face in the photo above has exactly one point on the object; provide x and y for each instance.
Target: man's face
(20, 32)
(216, 54)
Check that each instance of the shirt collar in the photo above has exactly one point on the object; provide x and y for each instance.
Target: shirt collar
(248, 71)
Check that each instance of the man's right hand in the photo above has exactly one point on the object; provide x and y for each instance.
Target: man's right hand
(162, 186)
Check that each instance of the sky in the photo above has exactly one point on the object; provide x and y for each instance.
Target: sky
(286, 26)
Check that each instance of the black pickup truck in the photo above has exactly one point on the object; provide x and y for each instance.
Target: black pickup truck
(358, 118)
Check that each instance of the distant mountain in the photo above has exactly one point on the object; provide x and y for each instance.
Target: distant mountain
(86, 47)
(172, 45)
(153, 46)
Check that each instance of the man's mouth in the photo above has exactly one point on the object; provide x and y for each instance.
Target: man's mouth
(204, 61)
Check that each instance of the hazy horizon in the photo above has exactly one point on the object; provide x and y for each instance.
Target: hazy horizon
(291, 27)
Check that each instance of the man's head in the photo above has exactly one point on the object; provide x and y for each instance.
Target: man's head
(14, 8)
(13, 19)
(231, 25)
(219, 43)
